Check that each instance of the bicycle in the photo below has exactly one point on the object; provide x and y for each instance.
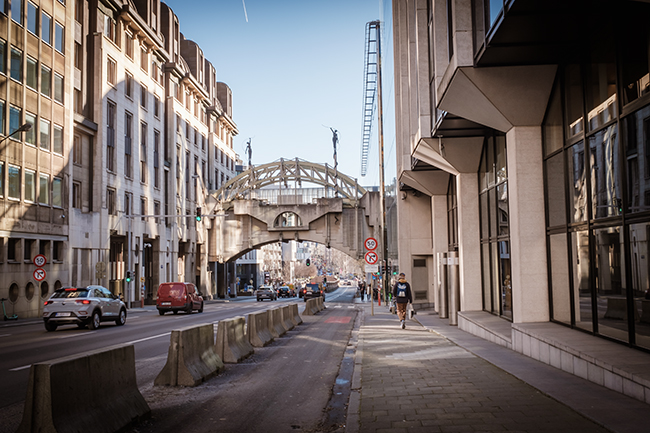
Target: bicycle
(4, 311)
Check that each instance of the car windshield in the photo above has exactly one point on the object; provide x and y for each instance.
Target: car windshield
(70, 293)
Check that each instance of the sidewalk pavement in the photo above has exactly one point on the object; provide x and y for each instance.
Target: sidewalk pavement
(432, 377)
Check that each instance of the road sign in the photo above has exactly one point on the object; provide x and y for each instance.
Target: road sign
(371, 269)
(100, 266)
(39, 260)
(370, 244)
(142, 279)
(371, 257)
(39, 274)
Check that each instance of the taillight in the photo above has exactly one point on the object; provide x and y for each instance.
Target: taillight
(48, 302)
(82, 301)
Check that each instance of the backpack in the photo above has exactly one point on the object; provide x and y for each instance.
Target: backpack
(401, 290)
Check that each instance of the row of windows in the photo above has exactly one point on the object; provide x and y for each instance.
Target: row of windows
(50, 136)
(45, 27)
(29, 249)
(39, 188)
(31, 73)
(111, 204)
(129, 85)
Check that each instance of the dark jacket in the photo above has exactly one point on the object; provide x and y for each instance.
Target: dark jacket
(402, 284)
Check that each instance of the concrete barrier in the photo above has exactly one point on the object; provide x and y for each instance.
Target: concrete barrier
(287, 318)
(309, 308)
(320, 303)
(191, 358)
(232, 341)
(92, 392)
(275, 323)
(296, 316)
(258, 331)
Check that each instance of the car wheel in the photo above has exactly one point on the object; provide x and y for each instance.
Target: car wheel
(201, 309)
(50, 326)
(161, 312)
(95, 320)
(121, 320)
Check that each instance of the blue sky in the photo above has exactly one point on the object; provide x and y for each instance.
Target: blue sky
(295, 70)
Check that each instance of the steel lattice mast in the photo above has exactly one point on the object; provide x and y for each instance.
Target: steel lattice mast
(369, 89)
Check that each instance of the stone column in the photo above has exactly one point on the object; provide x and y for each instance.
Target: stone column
(440, 240)
(527, 225)
(469, 242)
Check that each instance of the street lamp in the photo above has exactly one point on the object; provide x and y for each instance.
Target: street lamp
(23, 128)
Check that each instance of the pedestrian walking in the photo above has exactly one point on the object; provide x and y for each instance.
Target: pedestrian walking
(402, 295)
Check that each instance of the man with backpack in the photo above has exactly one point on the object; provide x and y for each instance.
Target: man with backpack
(402, 295)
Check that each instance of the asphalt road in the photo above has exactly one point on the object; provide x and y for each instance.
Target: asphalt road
(287, 383)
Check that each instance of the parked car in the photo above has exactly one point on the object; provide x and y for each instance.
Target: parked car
(313, 290)
(177, 297)
(248, 290)
(83, 306)
(285, 292)
(266, 292)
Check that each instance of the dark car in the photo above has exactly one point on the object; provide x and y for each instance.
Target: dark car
(177, 297)
(285, 292)
(266, 292)
(313, 290)
(83, 306)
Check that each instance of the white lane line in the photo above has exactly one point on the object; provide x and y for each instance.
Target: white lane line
(5, 335)
(148, 338)
(76, 335)
(21, 368)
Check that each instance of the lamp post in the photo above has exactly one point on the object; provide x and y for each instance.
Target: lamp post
(23, 128)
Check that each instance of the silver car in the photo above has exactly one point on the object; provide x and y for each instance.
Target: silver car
(83, 306)
(266, 292)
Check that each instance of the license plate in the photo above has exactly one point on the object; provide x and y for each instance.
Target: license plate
(62, 314)
(166, 303)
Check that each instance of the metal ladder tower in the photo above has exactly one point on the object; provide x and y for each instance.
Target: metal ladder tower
(369, 89)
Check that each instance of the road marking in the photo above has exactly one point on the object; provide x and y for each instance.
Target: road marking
(148, 338)
(338, 319)
(5, 335)
(76, 335)
(21, 368)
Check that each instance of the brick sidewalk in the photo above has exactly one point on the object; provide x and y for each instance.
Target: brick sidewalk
(414, 380)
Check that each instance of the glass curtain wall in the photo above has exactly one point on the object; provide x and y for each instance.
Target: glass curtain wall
(495, 232)
(597, 188)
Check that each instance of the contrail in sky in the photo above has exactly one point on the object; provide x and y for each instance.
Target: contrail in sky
(245, 14)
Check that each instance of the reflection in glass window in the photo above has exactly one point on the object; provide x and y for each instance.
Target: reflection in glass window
(31, 73)
(44, 128)
(59, 37)
(556, 206)
(44, 189)
(30, 136)
(2, 179)
(637, 150)
(14, 121)
(57, 192)
(574, 102)
(3, 47)
(30, 186)
(605, 184)
(580, 268)
(288, 219)
(13, 191)
(57, 140)
(17, 11)
(496, 6)
(16, 64)
(561, 294)
(32, 18)
(601, 94)
(46, 28)
(611, 299)
(640, 270)
(46, 81)
(58, 88)
(578, 188)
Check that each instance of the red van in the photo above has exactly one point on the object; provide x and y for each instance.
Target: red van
(177, 297)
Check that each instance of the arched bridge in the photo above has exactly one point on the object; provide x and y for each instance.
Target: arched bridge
(292, 200)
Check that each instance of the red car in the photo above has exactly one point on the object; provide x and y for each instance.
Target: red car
(177, 297)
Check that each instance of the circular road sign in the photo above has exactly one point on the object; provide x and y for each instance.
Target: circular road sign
(39, 274)
(371, 257)
(39, 260)
(370, 243)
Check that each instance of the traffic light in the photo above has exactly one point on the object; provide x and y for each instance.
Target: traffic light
(308, 262)
(619, 205)
(128, 276)
(198, 214)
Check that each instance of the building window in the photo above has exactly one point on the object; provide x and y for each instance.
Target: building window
(30, 136)
(156, 159)
(16, 64)
(111, 71)
(110, 30)
(44, 189)
(78, 56)
(32, 18)
(44, 129)
(144, 59)
(17, 11)
(110, 136)
(46, 28)
(2, 179)
(15, 115)
(30, 186)
(78, 101)
(144, 94)
(57, 140)
(143, 152)
(143, 207)
(156, 210)
(156, 106)
(110, 201)
(79, 11)
(128, 45)
(128, 199)
(3, 47)
(31, 73)
(12, 252)
(57, 192)
(76, 195)
(46, 81)
(77, 153)
(57, 251)
(128, 141)
(128, 86)
(58, 88)
(59, 37)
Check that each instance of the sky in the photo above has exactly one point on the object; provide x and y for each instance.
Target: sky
(296, 69)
